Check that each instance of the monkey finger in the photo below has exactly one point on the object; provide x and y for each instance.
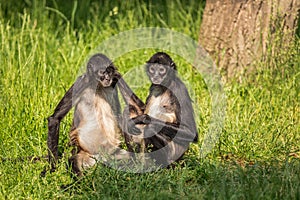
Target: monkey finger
(135, 131)
(141, 119)
(146, 119)
(117, 75)
(132, 129)
(73, 141)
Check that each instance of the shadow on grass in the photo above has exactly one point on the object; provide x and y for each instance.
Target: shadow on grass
(197, 180)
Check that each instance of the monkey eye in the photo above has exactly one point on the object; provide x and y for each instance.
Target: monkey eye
(152, 69)
(101, 72)
(162, 70)
(101, 78)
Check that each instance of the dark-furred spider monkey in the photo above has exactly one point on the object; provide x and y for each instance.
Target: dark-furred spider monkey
(166, 122)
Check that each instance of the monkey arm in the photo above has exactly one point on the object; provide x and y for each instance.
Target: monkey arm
(180, 133)
(61, 110)
(129, 97)
(134, 105)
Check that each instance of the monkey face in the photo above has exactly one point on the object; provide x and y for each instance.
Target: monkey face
(157, 73)
(101, 69)
(160, 69)
(105, 77)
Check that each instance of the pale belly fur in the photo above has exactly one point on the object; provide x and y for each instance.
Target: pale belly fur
(100, 130)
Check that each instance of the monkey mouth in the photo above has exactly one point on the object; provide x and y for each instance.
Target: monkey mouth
(155, 81)
(106, 83)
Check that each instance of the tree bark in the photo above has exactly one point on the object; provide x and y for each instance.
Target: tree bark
(238, 32)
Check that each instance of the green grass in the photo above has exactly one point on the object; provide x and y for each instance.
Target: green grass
(43, 46)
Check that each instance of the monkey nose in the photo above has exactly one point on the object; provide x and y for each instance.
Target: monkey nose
(107, 78)
(155, 80)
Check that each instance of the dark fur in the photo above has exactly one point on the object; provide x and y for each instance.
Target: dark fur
(173, 124)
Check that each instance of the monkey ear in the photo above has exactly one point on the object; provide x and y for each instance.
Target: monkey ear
(89, 69)
(173, 65)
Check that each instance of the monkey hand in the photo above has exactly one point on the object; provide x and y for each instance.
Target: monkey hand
(132, 129)
(74, 138)
(117, 75)
(142, 119)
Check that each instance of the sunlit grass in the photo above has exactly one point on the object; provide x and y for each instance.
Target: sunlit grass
(42, 51)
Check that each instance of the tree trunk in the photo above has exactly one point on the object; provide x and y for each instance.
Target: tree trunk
(238, 32)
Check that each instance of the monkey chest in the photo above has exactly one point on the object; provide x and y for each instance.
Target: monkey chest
(105, 116)
(162, 107)
(96, 119)
(95, 108)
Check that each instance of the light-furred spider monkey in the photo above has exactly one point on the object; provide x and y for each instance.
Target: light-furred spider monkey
(166, 122)
(95, 126)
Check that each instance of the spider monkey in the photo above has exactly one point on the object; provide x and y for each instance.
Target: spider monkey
(96, 119)
(166, 121)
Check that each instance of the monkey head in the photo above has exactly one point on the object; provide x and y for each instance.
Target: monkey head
(101, 69)
(160, 68)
